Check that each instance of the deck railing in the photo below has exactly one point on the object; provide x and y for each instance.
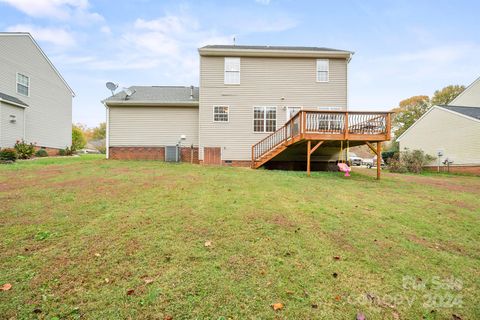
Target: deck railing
(328, 125)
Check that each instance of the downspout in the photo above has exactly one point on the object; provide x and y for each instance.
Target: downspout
(107, 131)
(24, 124)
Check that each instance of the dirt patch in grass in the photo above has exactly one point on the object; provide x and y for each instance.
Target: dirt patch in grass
(439, 246)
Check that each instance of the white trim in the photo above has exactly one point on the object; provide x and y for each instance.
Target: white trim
(150, 103)
(107, 132)
(17, 83)
(459, 114)
(243, 52)
(452, 103)
(264, 119)
(328, 70)
(415, 123)
(12, 103)
(430, 110)
(24, 124)
(43, 53)
(213, 113)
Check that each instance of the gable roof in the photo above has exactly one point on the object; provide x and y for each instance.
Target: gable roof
(27, 34)
(12, 100)
(469, 91)
(273, 51)
(472, 113)
(156, 95)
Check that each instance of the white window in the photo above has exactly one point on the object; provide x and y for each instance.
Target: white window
(232, 71)
(292, 111)
(322, 70)
(23, 84)
(264, 119)
(220, 113)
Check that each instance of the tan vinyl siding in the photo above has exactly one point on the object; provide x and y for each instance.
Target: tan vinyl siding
(153, 126)
(470, 97)
(49, 115)
(10, 132)
(456, 135)
(263, 82)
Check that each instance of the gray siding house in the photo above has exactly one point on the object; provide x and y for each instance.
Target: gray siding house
(245, 94)
(452, 130)
(35, 100)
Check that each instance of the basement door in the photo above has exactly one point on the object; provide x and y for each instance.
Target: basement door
(212, 155)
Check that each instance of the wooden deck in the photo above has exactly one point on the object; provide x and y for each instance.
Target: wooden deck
(371, 128)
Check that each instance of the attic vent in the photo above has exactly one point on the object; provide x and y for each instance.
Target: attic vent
(172, 154)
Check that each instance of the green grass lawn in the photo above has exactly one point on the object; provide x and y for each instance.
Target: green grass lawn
(94, 239)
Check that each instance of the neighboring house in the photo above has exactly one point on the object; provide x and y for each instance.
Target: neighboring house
(35, 100)
(450, 132)
(246, 94)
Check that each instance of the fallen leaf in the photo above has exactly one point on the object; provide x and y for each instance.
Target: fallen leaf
(314, 306)
(6, 287)
(335, 274)
(208, 243)
(107, 280)
(277, 306)
(338, 298)
(130, 292)
(98, 254)
(289, 292)
(168, 318)
(336, 257)
(455, 317)
(395, 315)
(361, 316)
(37, 310)
(148, 281)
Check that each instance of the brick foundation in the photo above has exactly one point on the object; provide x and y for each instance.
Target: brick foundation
(475, 170)
(150, 153)
(50, 151)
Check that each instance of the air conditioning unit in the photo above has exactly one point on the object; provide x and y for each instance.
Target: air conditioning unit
(172, 154)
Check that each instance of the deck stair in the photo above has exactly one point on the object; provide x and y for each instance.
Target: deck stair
(314, 125)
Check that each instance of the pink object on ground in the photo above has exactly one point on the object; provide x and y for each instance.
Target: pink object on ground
(344, 168)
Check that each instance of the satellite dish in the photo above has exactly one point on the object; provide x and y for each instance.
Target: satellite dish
(112, 87)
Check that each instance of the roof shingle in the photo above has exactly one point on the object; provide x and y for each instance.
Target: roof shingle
(473, 112)
(160, 94)
(11, 99)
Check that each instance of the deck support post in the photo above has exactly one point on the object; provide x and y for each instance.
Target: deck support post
(309, 148)
(379, 159)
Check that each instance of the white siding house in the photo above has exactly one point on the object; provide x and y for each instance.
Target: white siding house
(451, 131)
(35, 100)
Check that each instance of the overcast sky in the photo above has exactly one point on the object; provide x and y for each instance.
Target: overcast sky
(402, 48)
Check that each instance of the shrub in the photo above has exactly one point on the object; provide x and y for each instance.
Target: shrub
(8, 154)
(409, 161)
(387, 155)
(41, 153)
(24, 150)
(395, 165)
(78, 139)
(66, 152)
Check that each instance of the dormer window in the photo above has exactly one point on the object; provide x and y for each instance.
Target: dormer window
(23, 84)
(322, 70)
(232, 71)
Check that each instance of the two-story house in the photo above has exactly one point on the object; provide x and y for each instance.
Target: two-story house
(35, 100)
(253, 103)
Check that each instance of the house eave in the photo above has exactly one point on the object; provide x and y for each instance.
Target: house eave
(273, 53)
(151, 103)
(13, 103)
